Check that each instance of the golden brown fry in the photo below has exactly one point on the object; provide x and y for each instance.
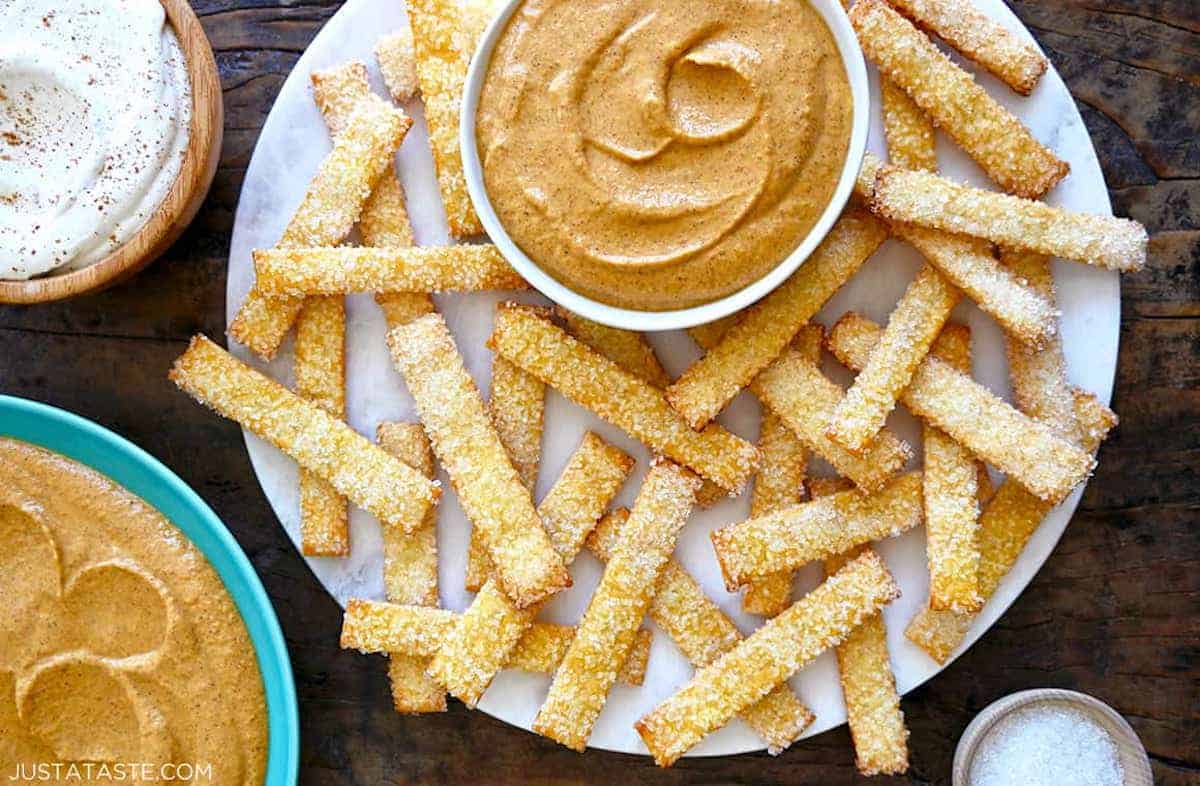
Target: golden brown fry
(703, 633)
(518, 406)
(804, 399)
(1005, 526)
(438, 31)
(320, 369)
(978, 37)
(410, 562)
(478, 647)
(336, 90)
(332, 204)
(749, 346)
(489, 488)
(593, 381)
(716, 693)
(543, 647)
(824, 487)
(953, 346)
(778, 484)
(968, 263)
(869, 687)
(1039, 377)
(398, 64)
(988, 132)
(387, 488)
(791, 538)
(951, 489)
(320, 362)
(627, 348)
(909, 131)
(606, 633)
(928, 200)
(342, 270)
(984, 424)
(415, 632)
(913, 325)
(410, 572)
(783, 463)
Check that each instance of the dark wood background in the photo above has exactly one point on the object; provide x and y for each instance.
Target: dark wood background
(1115, 612)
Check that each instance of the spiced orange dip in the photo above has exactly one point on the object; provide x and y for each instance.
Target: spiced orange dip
(118, 643)
(660, 154)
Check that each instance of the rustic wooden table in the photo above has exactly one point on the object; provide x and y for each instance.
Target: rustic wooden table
(1115, 612)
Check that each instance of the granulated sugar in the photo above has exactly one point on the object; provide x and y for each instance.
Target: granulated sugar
(1046, 746)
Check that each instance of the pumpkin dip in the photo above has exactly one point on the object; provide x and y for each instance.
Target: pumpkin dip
(659, 154)
(118, 642)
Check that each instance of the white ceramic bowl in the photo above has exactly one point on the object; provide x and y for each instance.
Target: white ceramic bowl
(630, 319)
(1130, 751)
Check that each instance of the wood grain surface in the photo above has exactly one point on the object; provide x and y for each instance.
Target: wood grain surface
(1114, 613)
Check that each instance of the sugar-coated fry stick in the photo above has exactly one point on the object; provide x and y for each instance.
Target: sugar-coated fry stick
(978, 37)
(869, 688)
(908, 130)
(410, 572)
(804, 399)
(332, 204)
(398, 64)
(988, 132)
(1039, 376)
(703, 633)
(320, 351)
(595, 382)
(475, 651)
(543, 647)
(968, 263)
(410, 559)
(778, 484)
(766, 328)
(320, 369)
(342, 270)
(951, 489)
(913, 325)
(389, 489)
(476, 16)
(606, 632)
(465, 441)
(783, 463)
(416, 631)
(791, 538)
(438, 40)
(518, 406)
(627, 348)
(1022, 448)
(384, 219)
(928, 200)
(716, 693)
(1005, 526)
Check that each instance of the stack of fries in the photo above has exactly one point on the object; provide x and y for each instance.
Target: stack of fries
(991, 247)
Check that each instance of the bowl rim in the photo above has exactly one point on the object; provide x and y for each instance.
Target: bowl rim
(182, 201)
(853, 61)
(1130, 750)
(140, 473)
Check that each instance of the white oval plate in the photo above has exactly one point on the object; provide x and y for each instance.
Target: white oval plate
(292, 144)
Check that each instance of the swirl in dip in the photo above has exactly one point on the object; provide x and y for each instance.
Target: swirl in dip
(660, 154)
(119, 644)
(95, 107)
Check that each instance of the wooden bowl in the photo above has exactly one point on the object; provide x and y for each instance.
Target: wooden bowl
(1130, 751)
(183, 199)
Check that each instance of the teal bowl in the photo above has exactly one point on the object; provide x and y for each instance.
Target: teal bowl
(130, 466)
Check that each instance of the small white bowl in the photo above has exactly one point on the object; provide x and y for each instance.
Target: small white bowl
(1130, 751)
(630, 319)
